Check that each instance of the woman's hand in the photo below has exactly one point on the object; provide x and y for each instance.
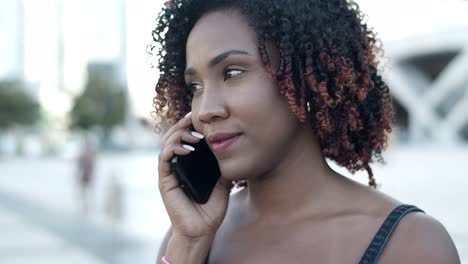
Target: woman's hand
(190, 220)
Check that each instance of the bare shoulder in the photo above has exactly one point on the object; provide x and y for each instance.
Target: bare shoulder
(419, 238)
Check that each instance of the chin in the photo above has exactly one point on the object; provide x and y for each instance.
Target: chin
(233, 171)
(240, 168)
(232, 175)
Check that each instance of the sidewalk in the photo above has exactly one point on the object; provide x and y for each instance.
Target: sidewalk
(23, 242)
(40, 220)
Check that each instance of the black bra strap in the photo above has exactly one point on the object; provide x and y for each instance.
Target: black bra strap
(385, 231)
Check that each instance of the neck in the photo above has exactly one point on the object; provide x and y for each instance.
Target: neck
(300, 178)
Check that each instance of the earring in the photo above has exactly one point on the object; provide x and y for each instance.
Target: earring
(308, 107)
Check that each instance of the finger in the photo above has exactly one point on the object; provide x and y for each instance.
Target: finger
(170, 190)
(168, 183)
(186, 136)
(184, 123)
(166, 155)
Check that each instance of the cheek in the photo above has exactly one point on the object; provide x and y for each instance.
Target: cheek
(265, 109)
(267, 120)
(259, 96)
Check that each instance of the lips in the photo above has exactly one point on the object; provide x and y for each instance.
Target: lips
(220, 142)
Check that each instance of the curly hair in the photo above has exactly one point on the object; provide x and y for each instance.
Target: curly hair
(327, 73)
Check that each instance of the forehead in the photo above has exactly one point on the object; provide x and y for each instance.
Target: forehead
(219, 31)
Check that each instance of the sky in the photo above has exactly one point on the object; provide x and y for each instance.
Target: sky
(92, 31)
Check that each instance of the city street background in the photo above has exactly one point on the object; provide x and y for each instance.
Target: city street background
(41, 218)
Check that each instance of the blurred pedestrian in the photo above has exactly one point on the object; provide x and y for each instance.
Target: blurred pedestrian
(86, 165)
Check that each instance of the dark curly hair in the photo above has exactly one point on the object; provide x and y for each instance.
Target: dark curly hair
(327, 72)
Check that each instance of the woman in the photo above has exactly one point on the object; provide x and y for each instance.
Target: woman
(276, 87)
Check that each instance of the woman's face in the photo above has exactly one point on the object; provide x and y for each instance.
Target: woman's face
(235, 104)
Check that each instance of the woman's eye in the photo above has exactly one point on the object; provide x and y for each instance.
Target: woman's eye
(193, 87)
(229, 73)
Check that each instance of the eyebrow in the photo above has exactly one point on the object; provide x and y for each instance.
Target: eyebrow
(218, 59)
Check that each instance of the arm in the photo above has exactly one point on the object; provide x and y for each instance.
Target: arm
(178, 249)
(419, 238)
(194, 225)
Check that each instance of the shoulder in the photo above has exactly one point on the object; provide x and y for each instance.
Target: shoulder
(419, 238)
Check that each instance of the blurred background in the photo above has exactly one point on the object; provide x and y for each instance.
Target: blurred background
(78, 153)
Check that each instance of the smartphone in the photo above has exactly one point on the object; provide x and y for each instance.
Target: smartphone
(197, 172)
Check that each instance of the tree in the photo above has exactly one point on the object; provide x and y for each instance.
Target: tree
(102, 104)
(17, 106)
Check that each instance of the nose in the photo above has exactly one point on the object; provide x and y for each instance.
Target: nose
(211, 106)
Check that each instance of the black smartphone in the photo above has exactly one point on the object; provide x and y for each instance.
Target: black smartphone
(197, 172)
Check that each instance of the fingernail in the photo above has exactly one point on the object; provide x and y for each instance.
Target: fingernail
(197, 135)
(188, 114)
(188, 147)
